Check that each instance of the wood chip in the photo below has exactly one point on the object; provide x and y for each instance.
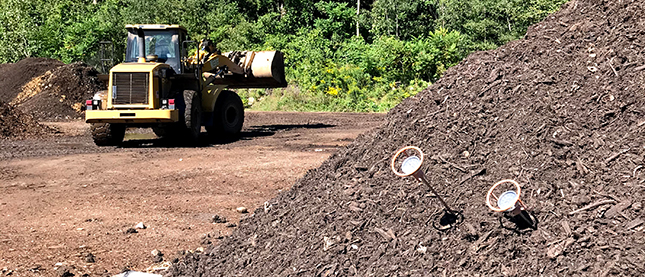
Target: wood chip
(391, 234)
(591, 206)
(471, 229)
(354, 207)
(612, 67)
(634, 223)
(615, 155)
(384, 234)
(615, 210)
(582, 168)
(566, 228)
(475, 173)
(460, 168)
(557, 249)
(554, 250)
(494, 75)
(329, 242)
(479, 244)
(561, 142)
(639, 68)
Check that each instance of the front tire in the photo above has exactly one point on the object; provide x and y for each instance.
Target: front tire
(192, 115)
(228, 117)
(107, 134)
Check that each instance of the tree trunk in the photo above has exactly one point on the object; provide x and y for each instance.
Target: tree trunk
(358, 12)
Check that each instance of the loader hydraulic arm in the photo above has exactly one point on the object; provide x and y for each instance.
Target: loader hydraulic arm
(239, 69)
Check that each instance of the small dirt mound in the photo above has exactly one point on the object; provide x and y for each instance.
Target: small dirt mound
(13, 76)
(59, 94)
(16, 125)
(561, 111)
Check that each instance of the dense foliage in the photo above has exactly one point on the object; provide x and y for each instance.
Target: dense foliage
(337, 58)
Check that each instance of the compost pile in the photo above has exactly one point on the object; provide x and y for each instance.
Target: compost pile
(15, 124)
(48, 89)
(60, 93)
(561, 111)
(13, 76)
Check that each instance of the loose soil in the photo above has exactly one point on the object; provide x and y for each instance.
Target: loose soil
(561, 111)
(16, 125)
(65, 200)
(14, 76)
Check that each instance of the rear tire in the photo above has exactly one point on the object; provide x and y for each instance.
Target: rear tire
(228, 117)
(192, 116)
(107, 134)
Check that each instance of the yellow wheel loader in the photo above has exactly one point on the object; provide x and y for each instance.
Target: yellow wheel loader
(161, 86)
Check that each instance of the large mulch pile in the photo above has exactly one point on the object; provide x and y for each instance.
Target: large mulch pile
(60, 93)
(561, 111)
(14, 75)
(48, 89)
(16, 125)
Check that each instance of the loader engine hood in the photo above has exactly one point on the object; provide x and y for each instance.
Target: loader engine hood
(137, 67)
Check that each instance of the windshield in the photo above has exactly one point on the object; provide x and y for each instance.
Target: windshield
(163, 43)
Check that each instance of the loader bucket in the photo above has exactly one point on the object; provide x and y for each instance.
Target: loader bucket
(268, 64)
(265, 70)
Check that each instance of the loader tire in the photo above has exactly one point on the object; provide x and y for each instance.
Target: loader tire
(192, 116)
(107, 134)
(228, 116)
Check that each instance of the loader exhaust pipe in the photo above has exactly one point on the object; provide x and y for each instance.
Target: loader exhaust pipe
(142, 45)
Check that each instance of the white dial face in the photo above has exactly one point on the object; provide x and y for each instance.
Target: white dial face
(507, 200)
(410, 164)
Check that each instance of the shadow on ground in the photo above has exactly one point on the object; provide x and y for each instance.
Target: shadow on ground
(206, 141)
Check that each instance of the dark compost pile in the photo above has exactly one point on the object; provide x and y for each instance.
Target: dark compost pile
(60, 93)
(16, 125)
(561, 111)
(14, 75)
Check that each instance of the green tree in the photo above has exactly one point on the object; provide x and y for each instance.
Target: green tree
(490, 23)
(402, 46)
(336, 21)
(19, 24)
(403, 18)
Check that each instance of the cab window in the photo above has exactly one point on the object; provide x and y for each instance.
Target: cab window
(163, 43)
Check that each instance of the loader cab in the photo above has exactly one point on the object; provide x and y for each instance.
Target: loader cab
(162, 43)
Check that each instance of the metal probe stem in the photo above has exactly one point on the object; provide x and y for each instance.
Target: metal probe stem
(448, 209)
(528, 220)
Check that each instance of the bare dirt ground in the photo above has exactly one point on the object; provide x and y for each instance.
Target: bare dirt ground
(67, 201)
